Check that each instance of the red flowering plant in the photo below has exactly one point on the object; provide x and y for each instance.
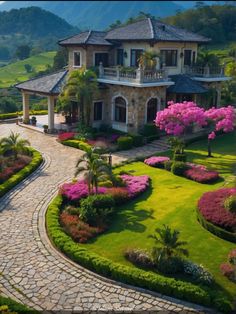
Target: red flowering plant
(201, 175)
(66, 136)
(229, 269)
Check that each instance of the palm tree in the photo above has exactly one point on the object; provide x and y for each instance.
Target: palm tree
(94, 168)
(148, 60)
(167, 244)
(14, 144)
(81, 86)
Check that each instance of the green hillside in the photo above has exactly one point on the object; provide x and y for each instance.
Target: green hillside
(16, 72)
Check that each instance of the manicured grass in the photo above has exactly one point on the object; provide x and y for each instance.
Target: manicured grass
(15, 72)
(172, 200)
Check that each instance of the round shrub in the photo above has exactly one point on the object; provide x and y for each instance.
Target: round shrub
(230, 203)
(180, 157)
(137, 140)
(211, 206)
(139, 258)
(125, 142)
(178, 168)
(171, 265)
(156, 161)
(201, 175)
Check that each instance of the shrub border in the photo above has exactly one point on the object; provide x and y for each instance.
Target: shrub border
(23, 173)
(168, 286)
(12, 115)
(219, 232)
(15, 306)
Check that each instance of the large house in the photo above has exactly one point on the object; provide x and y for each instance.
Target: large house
(129, 95)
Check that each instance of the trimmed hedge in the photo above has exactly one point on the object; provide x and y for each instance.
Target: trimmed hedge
(76, 144)
(15, 306)
(23, 173)
(5, 116)
(219, 232)
(144, 279)
(125, 142)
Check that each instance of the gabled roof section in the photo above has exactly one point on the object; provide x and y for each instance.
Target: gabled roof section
(151, 29)
(46, 84)
(185, 85)
(86, 38)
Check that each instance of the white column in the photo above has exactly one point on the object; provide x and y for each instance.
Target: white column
(50, 114)
(25, 101)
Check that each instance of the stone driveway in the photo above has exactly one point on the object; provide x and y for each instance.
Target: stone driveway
(33, 272)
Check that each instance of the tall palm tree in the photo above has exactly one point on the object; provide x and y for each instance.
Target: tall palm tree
(81, 86)
(94, 167)
(148, 60)
(167, 244)
(15, 144)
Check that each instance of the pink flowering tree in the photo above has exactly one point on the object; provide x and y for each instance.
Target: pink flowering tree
(219, 119)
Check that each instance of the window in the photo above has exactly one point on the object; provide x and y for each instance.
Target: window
(134, 57)
(120, 57)
(77, 59)
(151, 109)
(169, 57)
(97, 110)
(187, 57)
(120, 110)
(101, 57)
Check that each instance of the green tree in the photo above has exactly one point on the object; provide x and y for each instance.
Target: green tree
(82, 87)
(7, 104)
(22, 52)
(167, 244)
(93, 167)
(14, 144)
(28, 68)
(61, 59)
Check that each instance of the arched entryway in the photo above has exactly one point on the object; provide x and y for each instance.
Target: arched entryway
(119, 113)
(152, 106)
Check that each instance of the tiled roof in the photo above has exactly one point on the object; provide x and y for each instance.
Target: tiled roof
(150, 29)
(185, 85)
(47, 84)
(88, 38)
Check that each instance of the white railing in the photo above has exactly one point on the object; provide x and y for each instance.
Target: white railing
(132, 74)
(204, 71)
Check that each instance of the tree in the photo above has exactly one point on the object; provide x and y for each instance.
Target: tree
(7, 104)
(205, 57)
(28, 68)
(94, 168)
(14, 144)
(219, 119)
(61, 59)
(81, 86)
(148, 60)
(23, 52)
(167, 244)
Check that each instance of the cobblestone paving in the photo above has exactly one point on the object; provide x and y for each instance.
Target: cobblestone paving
(33, 272)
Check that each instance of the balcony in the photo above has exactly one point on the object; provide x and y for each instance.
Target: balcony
(133, 77)
(207, 74)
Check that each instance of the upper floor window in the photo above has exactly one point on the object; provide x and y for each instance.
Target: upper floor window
(101, 57)
(97, 110)
(187, 57)
(169, 57)
(135, 54)
(77, 59)
(120, 57)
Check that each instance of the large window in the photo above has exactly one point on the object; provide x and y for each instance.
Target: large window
(134, 57)
(120, 110)
(101, 57)
(77, 59)
(120, 57)
(169, 57)
(97, 110)
(187, 57)
(152, 107)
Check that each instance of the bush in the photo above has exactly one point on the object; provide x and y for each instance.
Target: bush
(137, 140)
(95, 209)
(201, 175)
(66, 136)
(198, 272)
(156, 161)
(125, 142)
(151, 138)
(139, 258)
(178, 168)
(71, 143)
(119, 194)
(230, 203)
(149, 129)
(168, 165)
(11, 305)
(173, 265)
(180, 157)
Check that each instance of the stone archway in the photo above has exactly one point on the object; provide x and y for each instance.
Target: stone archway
(153, 105)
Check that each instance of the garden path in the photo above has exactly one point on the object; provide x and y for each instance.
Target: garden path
(32, 271)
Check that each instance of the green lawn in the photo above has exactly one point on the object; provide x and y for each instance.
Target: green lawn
(15, 72)
(172, 200)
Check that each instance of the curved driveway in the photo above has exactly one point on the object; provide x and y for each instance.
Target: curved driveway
(32, 271)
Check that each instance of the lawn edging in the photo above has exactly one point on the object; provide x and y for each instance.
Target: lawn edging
(23, 173)
(219, 232)
(14, 306)
(168, 286)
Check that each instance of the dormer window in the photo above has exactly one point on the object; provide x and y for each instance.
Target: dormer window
(77, 59)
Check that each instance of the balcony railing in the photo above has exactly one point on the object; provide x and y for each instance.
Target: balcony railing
(132, 75)
(205, 72)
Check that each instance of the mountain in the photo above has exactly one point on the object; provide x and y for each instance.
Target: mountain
(98, 14)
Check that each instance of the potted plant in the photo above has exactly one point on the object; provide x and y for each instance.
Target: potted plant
(33, 120)
(45, 128)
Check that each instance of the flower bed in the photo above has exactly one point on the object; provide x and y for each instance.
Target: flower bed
(10, 166)
(156, 161)
(211, 207)
(229, 269)
(201, 175)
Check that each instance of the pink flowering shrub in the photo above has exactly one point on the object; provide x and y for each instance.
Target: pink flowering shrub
(135, 184)
(196, 166)
(66, 136)
(222, 117)
(232, 257)
(227, 270)
(211, 206)
(201, 175)
(156, 161)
